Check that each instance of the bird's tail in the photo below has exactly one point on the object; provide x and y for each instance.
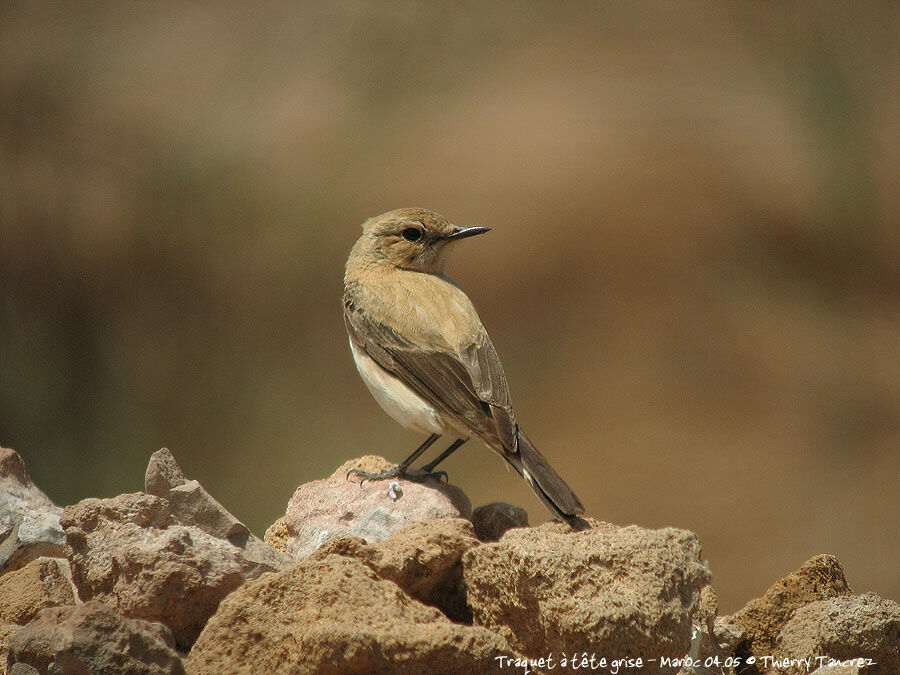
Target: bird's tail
(546, 483)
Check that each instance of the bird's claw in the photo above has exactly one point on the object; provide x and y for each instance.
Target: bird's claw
(381, 475)
(397, 472)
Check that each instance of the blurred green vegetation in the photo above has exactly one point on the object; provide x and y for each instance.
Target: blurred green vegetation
(693, 278)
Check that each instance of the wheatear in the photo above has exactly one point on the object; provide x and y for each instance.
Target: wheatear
(425, 356)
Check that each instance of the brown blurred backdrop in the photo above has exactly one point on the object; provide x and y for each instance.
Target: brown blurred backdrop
(693, 278)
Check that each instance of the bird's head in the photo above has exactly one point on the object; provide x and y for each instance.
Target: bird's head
(411, 238)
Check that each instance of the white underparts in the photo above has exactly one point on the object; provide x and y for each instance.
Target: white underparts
(398, 400)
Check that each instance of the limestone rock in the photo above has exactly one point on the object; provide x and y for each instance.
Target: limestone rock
(373, 510)
(44, 582)
(844, 628)
(92, 638)
(612, 591)
(29, 521)
(493, 520)
(132, 553)
(424, 559)
(762, 619)
(333, 614)
(191, 504)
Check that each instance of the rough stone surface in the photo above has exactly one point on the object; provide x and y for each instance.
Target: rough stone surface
(762, 619)
(614, 591)
(844, 628)
(131, 553)
(837, 669)
(191, 504)
(6, 631)
(373, 510)
(44, 582)
(92, 638)
(277, 536)
(188, 500)
(493, 520)
(728, 634)
(424, 559)
(335, 615)
(22, 669)
(29, 521)
(708, 640)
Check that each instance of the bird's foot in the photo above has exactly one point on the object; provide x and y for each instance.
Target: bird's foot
(397, 472)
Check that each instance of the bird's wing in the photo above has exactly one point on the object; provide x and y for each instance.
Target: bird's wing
(469, 387)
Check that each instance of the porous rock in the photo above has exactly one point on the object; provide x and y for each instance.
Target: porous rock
(371, 510)
(191, 504)
(845, 629)
(92, 638)
(615, 591)
(6, 631)
(132, 553)
(29, 521)
(277, 535)
(492, 520)
(762, 619)
(711, 643)
(333, 614)
(424, 559)
(24, 592)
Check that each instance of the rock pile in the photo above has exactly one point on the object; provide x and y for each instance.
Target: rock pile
(391, 577)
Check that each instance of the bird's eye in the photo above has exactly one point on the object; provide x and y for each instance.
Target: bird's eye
(412, 234)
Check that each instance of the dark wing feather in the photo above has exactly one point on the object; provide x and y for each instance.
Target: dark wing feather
(469, 387)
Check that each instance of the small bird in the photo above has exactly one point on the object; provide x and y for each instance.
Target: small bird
(425, 356)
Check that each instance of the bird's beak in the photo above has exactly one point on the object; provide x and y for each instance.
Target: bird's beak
(463, 232)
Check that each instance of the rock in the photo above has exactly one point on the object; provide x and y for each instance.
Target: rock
(29, 521)
(188, 500)
(333, 614)
(728, 634)
(844, 629)
(92, 638)
(493, 520)
(6, 632)
(612, 591)
(373, 511)
(191, 504)
(424, 559)
(22, 669)
(707, 642)
(44, 582)
(277, 535)
(132, 553)
(762, 619)
(837, 669)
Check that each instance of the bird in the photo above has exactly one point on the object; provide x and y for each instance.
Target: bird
(425, 356)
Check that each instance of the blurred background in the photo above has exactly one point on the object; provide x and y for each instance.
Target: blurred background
(693, 277)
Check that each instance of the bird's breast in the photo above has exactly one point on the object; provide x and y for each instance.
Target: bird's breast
(429, 310)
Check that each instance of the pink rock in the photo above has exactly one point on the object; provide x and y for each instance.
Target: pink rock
(373, 511)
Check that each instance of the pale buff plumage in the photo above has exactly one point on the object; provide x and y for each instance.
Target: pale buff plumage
(422, 350)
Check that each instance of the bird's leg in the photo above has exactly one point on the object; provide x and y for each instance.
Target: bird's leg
(429, 468)
(401, 469)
